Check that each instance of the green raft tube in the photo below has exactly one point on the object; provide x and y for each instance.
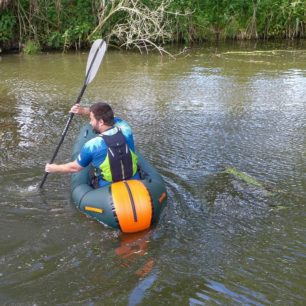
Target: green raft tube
(131, 205)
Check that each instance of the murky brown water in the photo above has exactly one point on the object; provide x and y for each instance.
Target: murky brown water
(224, 125)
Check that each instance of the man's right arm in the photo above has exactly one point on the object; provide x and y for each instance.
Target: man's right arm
(80, 110)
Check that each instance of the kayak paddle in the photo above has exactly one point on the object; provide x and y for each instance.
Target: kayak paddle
(95, 57)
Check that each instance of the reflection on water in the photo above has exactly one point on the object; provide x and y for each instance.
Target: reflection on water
(225, 127)
(133, 246)
(216, 291)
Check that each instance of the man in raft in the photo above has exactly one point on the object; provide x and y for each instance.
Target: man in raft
(111, 153)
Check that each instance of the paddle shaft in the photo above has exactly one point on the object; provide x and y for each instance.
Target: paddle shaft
(63, 135)
(88, 79)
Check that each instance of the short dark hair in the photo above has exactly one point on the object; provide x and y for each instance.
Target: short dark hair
(102, 110)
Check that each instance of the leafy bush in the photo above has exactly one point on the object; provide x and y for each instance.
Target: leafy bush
(7, 23)
(31, 47)
(63, 24)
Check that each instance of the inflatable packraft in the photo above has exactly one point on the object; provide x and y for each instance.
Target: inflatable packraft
(131, 205)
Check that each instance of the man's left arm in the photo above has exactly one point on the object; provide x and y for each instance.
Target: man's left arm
(63, 168)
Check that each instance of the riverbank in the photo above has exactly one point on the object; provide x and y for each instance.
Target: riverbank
(179, 49)
(145, 25)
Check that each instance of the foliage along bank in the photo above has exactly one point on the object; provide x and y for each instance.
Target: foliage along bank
(32, 25)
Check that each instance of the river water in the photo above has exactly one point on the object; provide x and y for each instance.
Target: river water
(225, 127)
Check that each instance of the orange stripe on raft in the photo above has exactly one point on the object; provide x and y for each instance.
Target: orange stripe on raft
(94, 209)
(123, 206)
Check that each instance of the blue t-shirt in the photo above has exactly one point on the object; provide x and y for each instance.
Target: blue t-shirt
(94, 151)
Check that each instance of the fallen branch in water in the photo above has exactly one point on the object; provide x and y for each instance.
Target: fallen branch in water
(141, 27)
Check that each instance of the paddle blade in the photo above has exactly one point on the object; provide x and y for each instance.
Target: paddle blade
(95, 57)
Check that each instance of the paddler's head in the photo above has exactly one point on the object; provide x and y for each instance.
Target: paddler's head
(101, 117)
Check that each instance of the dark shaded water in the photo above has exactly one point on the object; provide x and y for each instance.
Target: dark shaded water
(224, 125)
